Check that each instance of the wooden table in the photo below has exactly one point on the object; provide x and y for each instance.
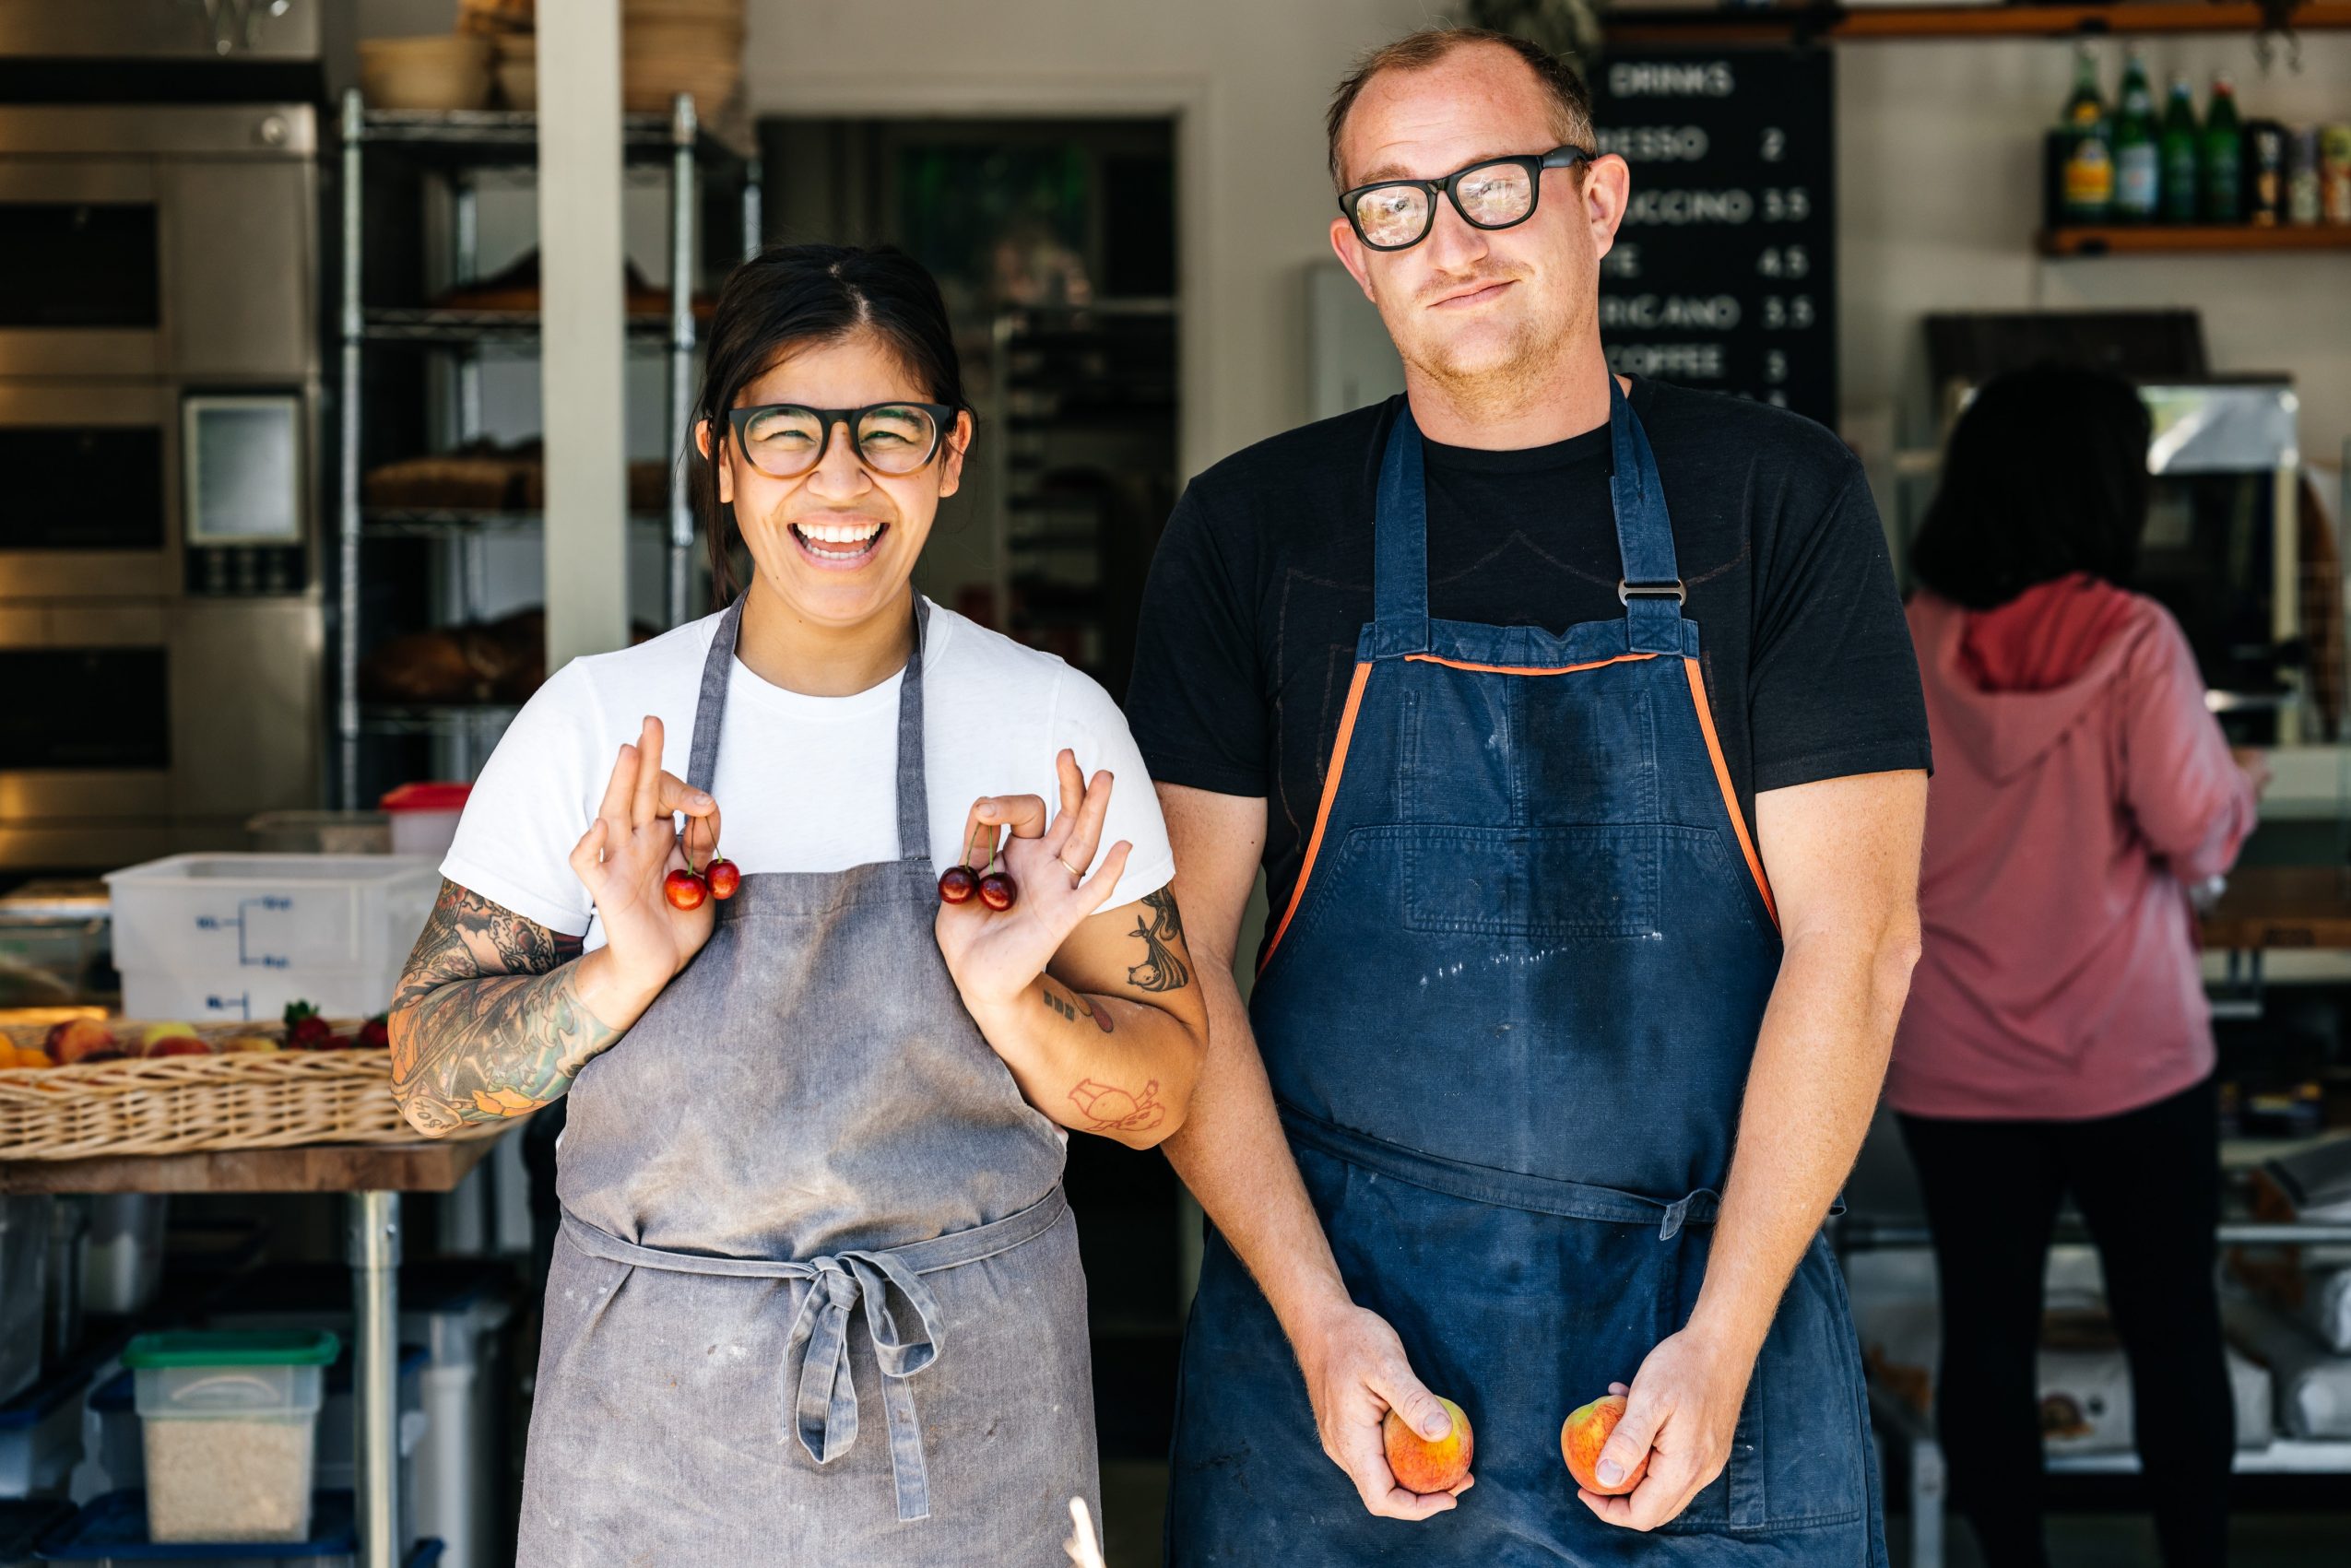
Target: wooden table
(374, 1175)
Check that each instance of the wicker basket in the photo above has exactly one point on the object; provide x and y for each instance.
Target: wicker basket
(187, 1105)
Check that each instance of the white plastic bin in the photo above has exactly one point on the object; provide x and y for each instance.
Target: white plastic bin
(256, 995)
(24, 1294)
(226, 916)
(229, 1430)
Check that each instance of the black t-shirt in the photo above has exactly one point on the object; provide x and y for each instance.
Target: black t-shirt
(1263, 579)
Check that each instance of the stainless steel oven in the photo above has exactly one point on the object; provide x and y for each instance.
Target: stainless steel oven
(161, 631)
(167, 30)
(140, 240)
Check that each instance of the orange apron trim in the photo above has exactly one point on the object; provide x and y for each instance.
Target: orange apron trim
(1347, 733)
(1322, 812)
(1525, 669)
(1730, 796)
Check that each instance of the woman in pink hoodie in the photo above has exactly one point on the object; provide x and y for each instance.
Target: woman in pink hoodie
(2057, 1043)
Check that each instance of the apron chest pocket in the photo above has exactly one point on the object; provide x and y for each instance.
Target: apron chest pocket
(1534, 882)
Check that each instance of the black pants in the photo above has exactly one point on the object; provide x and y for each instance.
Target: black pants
(2148, 1183)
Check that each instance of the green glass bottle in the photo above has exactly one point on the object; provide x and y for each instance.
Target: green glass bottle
(2089, 159)
(2178, 148)
(2136, 171)
(2222, 171)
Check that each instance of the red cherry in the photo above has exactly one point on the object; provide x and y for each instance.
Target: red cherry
(724, 876)
(685, 889)
(957, 884)
(999, 891)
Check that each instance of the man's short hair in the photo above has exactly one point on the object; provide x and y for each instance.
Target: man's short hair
(1571, 104)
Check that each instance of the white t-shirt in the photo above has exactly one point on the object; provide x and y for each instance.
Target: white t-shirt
(804, 784)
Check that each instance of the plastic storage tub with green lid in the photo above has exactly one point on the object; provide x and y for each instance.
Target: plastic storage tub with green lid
(229, 1423)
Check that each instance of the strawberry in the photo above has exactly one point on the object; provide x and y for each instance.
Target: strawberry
(376, 1034)
(305, 1030)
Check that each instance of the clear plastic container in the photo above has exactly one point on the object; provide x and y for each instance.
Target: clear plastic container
(457, 1308)
(119, 1463)
(258, 914)
(228, 1430)
(24, 1294)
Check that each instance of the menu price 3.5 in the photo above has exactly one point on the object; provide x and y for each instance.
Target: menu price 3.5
(1723, 276)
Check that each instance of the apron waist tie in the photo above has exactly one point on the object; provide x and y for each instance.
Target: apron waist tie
(819, 1394)
(1505, 1190)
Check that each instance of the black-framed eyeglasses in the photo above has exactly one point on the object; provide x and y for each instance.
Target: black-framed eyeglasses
(1498, 192)
(784, 441)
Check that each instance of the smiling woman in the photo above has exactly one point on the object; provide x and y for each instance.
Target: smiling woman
(827, 1093)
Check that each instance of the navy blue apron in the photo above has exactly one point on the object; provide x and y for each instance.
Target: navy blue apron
(1508, 1017)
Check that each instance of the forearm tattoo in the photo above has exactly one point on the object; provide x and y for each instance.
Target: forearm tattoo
(1109, 1109)
(486, 1024)
(1074, 1007)
(1162, 929)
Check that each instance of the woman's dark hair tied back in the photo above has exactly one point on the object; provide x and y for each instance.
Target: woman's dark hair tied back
(792, 297)
(2045, 475)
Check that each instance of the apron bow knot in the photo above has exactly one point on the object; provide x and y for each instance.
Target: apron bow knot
(821, 1392)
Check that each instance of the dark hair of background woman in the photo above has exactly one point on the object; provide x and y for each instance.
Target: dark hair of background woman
(2045, 475)
(794, 297)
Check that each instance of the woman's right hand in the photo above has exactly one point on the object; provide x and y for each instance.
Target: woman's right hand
(629, 850)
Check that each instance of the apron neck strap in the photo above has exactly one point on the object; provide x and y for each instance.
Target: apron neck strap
(914, 792)
(1400, 534)
(710, 714)
(1652, 587)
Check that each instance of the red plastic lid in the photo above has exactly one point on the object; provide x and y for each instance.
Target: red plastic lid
(427, 797)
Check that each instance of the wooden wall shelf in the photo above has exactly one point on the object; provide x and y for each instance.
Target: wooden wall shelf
(1847, 24)
(2188, 238)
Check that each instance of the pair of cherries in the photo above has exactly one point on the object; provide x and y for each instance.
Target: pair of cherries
(994, 886)
(687, 889)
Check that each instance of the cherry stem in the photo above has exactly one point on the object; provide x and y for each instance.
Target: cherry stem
(973, 843)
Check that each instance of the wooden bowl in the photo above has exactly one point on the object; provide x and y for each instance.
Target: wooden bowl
(439, 71)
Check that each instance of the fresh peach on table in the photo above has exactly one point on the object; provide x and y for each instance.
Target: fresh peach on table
(1427, 1465)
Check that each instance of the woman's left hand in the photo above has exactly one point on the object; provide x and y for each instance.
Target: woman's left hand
(994, 956)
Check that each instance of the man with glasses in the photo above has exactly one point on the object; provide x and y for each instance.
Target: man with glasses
(1573, 721)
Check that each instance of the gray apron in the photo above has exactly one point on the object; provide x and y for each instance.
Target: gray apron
(801, 1193)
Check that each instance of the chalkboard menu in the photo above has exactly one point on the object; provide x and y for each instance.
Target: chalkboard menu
(1724, 272)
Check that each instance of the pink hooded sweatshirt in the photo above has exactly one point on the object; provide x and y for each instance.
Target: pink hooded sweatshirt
(2080, 788)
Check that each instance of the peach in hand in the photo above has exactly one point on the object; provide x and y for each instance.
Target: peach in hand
(1428, 1465)
(1585, 1435)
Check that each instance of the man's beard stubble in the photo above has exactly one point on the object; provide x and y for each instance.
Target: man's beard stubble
(1498, 386)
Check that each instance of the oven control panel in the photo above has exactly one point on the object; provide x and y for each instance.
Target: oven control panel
(245, 572)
